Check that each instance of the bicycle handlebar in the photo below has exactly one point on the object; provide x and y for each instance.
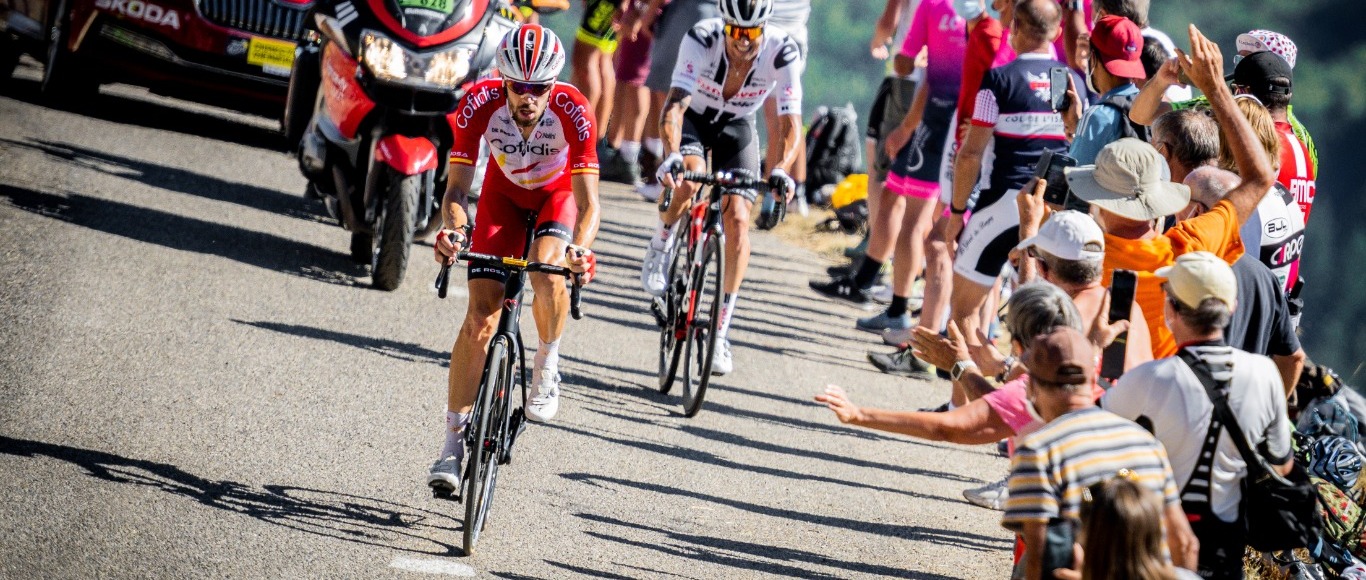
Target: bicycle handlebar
(725, 179)
(575, 309)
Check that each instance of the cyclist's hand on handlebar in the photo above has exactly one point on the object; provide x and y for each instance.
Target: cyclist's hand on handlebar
(780, 181)
(582, 261)
(449, 243)
(668, 169)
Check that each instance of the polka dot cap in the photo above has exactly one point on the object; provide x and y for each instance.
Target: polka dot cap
(1264, 40)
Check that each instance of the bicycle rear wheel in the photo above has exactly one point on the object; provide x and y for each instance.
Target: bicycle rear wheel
(481, 474)
(672, 333)
(705, 296)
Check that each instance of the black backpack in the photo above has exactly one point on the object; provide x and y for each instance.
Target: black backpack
(1124, 103)
(832, 147)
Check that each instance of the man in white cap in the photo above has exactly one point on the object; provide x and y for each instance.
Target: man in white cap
(1169, 398)
(1130, 196)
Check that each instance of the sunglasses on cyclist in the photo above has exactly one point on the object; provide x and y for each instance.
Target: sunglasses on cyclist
(750, 33)
(534, 89)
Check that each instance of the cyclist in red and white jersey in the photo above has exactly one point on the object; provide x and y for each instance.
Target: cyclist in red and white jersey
(726, 68)
(541, 136)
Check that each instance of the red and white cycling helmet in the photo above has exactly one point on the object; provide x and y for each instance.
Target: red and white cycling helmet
(530, 53)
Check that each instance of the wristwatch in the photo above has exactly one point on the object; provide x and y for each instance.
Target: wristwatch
(960, 367)
(1007, 363)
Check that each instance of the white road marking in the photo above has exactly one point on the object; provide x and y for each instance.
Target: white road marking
(432, 566)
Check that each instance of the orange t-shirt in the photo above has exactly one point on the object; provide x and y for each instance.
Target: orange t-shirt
(1215, 231)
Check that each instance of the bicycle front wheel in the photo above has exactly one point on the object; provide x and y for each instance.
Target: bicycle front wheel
(705, 319)
(481, 473)
(672, 334)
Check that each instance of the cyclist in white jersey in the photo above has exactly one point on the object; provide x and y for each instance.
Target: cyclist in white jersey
(726, 68)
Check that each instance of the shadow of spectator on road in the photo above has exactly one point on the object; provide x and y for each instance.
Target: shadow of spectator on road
(179, 180)
(331, 514)
(178, 232)
(739, 554)
(404, 351)
(957, 539)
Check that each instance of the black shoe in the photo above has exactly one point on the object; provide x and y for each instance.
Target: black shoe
(901, 362)
(843, 289)
(940, 409)
(618, 169)
(843, 271)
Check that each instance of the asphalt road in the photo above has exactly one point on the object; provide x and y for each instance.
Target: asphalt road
(196, 381)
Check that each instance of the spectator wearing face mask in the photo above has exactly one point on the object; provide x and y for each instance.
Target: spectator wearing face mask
(1137, 11)
(1201, 295)
(1115, 64)
(1131, 197)
(1079, 445)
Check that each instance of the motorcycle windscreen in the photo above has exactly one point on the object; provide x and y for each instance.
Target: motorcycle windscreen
(434, 17)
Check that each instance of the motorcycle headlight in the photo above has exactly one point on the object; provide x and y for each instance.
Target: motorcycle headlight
(389, 61)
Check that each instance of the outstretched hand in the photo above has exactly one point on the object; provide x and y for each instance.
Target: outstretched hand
(940, 351)
(838, 401)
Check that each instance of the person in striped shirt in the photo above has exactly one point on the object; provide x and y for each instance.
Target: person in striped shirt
(1079, 445)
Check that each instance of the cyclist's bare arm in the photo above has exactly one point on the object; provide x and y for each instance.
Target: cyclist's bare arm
(586, 197)
(671, 119)
(790, 135)
(453, 207)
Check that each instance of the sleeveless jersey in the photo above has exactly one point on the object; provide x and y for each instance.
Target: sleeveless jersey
(702, 66)
(562, 144)
(1013, 101)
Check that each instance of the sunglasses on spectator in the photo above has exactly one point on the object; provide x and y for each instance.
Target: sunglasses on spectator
(750, 33)
(534, 89)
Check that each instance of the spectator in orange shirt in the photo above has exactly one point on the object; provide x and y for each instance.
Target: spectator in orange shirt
(1130, 195)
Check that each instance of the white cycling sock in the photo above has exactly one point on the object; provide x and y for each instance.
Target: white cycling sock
(654, 145)
(630, 151)
(548, 356)
(727, 311)
(659, 242)
(455, 430)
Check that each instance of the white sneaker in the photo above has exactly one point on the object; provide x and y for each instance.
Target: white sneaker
(721, 363)
(445, 473)
(650, 191)
(545, 396)
(992, 496)
(652, 270)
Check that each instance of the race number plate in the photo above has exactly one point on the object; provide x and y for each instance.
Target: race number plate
(275, 57)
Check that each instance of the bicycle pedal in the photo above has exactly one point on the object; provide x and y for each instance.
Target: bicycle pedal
(445, 494)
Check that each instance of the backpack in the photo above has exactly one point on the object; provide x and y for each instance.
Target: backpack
(1123, 103)
(832, 146)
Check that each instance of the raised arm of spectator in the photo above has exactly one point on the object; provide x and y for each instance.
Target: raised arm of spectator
(1149, 104)
(1205, 67)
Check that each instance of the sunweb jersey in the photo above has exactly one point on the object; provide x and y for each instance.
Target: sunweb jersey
(562, 144)
(702, 67)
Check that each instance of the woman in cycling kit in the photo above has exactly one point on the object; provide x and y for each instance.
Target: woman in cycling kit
(726, 68)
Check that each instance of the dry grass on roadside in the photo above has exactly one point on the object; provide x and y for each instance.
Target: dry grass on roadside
(805, 232)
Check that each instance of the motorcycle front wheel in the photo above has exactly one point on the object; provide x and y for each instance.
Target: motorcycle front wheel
(394, 231)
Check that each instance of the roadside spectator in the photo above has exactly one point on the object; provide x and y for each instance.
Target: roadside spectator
(631, 103)
(790, 16)
(591, 70)
(1121, 534)
(1268, 77)
(1116, 62)
(1012, 114)
(1153, 57)
(1187, 139)
(1079, 445)
(1254, 41)
(670, 20)
(1137, 11)
(1262, 323)
(1129, 195)
(1165, 394)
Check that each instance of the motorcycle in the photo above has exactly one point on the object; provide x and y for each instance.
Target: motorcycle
(375, 84)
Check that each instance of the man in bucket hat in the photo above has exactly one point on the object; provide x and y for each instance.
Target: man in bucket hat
(1131, 195)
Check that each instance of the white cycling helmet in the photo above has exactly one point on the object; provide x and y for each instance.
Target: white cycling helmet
(530, 53)
(746, 12)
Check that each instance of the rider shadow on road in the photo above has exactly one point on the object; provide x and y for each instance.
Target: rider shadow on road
(175, 179)
(178, 232)
(404, 351)
(331, 514)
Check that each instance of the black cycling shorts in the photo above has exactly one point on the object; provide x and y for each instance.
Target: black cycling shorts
(733, 144)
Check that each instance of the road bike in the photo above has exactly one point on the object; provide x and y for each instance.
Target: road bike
(689, 312)
(494, 424)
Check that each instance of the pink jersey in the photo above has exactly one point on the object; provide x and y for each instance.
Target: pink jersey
(936, 26)
(562, 144)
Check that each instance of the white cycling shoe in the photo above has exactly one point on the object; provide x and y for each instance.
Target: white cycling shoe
(721, 361)
(444, 474)
(652, 270)
(545, 396)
